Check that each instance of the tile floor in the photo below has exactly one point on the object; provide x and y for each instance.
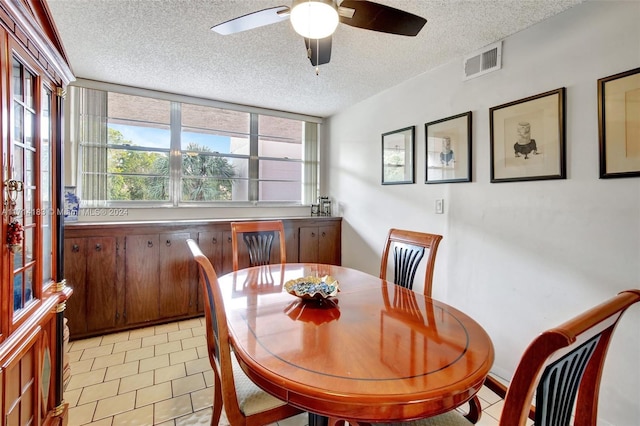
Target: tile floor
(159, 375)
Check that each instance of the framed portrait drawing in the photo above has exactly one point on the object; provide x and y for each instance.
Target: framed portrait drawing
(398, 153)
(528, 138)
(619, 124)
(449, 149)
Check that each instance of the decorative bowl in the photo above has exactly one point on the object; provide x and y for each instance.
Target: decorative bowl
(312, 287)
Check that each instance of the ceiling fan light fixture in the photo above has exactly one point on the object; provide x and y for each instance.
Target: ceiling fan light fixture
(314, 18)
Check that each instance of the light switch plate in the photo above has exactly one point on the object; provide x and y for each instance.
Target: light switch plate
(439, 206)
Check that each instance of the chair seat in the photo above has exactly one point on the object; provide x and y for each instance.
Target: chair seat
(452, 418)
(251, 398)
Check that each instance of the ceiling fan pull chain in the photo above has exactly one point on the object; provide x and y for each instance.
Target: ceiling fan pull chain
(317, 56)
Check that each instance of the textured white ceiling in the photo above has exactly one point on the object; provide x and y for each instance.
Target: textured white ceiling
(167, 45)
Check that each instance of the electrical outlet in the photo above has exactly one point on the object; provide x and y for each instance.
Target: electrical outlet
(439, 206)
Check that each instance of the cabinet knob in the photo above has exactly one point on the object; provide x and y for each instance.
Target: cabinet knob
(75, 248)
(214, 240)
(98, 247)
(149, 243)
(313, 234)
(229, 239)
(324, 234)
(168, 243)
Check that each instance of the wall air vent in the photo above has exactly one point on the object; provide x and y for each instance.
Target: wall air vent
(483, 61)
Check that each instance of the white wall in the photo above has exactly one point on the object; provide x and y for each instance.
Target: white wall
(519, 257)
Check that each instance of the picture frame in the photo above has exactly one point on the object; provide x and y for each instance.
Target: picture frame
(619, 124)
(448, 149)
(398, 156)
(527, 138)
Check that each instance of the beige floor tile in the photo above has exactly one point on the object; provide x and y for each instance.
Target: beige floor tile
(167, 423)
(141, 332)
(104, 422)
(167, 328)
(180, 334)
(166, 348)
(79, 345)
(166, 374)
(127, 346)
(142, 353)
(197, 418)
(201, 399)
(199, 331)
(195, 322)
(208, 378)
(154, 363)
(187, 384)
(108, 361)
(139, 417)
(110, 407)
(198, 366)
(172, 408)
(183, 356)
(97, 351)
(135, 382)
(86, 379)
(115, 337)
(193, 342)
(485, 394)
(72, 396)
(122, 370)
(203, 351)
(81, 366)
(99, 391)
(154, 340)
(82, 414)
(74, 356)
(153, 394)
(494, 410)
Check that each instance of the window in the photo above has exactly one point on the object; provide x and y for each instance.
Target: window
(151, 151)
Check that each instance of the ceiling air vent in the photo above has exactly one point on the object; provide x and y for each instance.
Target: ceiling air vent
(483, 61)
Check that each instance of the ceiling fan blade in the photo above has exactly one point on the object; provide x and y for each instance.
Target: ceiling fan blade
(381, 18)
(253, 20)
(318, 50)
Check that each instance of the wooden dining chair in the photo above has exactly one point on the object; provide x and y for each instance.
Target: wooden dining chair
(244, 402)
(562, 367)
(407, 249)
(258, 237)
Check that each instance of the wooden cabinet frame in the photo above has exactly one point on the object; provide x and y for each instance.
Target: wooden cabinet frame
(156, 280)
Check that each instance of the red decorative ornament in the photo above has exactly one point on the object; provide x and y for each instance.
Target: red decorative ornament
(14, 236)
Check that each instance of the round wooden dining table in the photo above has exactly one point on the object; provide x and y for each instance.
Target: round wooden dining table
(376, 352)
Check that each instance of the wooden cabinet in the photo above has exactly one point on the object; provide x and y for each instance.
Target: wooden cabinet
(128, 275)
(319, 244)
(90, 269)
(142, 273)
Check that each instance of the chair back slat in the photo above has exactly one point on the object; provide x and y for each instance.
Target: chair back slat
(558, 386)
(405, 250)
(259, 247)
(406, 260)
(259, 237)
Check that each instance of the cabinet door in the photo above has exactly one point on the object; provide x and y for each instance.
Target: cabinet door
(211, 244)
(227, 254)
(328, 245)
(100, 286)
(142, 254)
(175, 276)
(75, 272)
(308, 251)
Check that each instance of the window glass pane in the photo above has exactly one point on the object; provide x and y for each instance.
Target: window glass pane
(207, 177)
(128, 108)
(214, 128)
(17, 81)
(138, 188)
(280, 180)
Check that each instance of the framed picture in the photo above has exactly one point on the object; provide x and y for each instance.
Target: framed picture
(398, 153)
(528, 138)
(619, 124)
(449, 149)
